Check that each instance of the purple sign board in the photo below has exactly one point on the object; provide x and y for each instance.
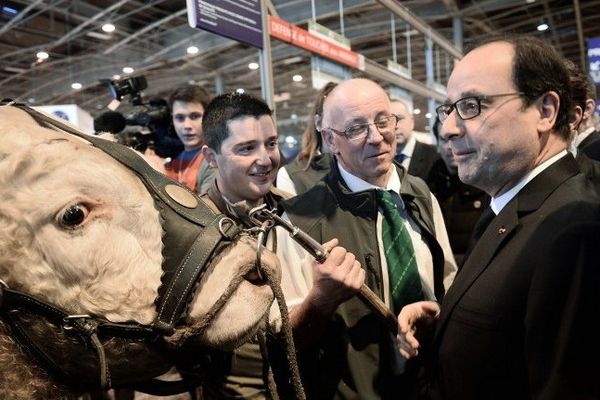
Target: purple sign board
(236, 19)
(594, 59)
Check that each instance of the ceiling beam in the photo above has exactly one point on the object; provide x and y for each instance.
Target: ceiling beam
(584, 67)
(421, 26)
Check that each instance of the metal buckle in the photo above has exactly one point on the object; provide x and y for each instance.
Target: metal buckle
(67, 321)
(223, 229)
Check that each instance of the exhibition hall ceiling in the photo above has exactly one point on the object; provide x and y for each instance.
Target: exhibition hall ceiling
(153, 36)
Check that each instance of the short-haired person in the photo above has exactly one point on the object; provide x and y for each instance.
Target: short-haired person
(516, 322)
(187, 105)
(390, 222)
(586, 140)
(417, 157)
(242, 149)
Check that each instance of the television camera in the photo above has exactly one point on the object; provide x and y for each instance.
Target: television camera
(153, 118)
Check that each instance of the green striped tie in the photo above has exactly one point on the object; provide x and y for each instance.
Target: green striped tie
(405, 283)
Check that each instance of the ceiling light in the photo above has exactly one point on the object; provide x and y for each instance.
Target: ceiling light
(108, 28)
(192, 50)
(253, 65)
(428, 115)
(9, 10)
(116, 77)
(42, 55)
(297, 78)
(417, 111)
(128, 70)
(15, 70)
(529, 1)
(542, 27)
(98, 35)
(240, 90)
(76, 85)
(292, 60)
(283, 96)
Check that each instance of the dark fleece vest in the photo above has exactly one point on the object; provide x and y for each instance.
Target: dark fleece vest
(353, 358)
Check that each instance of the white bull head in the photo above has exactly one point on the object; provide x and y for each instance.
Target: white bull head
(80, 231)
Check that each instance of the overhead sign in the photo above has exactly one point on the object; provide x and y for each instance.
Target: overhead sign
(327, 34)
(323, 71)
(239, 20)
(299, 37)
(594, 59)
(398, 69)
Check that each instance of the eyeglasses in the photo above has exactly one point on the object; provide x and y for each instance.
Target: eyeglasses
(384, 125)
(468, 107)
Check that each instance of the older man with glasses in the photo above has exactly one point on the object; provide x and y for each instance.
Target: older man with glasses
(391, 223)
(517, 321)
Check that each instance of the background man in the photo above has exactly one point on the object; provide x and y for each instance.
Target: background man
(461, 204)
(415, 156)
(367, 202)
(242, 149)
(586, 140)
(515, 324)
(187, 108)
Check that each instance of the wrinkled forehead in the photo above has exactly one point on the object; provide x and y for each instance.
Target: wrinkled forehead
(484, 70)
(355, 101)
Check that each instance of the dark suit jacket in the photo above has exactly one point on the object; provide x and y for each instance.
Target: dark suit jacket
(521, 318)
(422, 160)
(590, 146)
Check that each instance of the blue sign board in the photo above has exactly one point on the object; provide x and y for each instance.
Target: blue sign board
(594, 59)
(236, 19)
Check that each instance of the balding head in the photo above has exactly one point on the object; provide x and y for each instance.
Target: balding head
(406, 123)
(359, 102)
(350, 93)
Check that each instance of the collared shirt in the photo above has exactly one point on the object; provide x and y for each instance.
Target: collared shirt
(499, 202)
(580, 137)
(408, 151)
(297, 264)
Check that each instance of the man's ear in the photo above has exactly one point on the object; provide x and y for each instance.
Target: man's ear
(576, 119)
(210, 156)
(590, 106)
(549, 104)
(317, 119)
(329, 139)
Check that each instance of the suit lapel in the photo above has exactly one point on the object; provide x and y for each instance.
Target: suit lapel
(592, 137)
(497, 232)
(529, 199)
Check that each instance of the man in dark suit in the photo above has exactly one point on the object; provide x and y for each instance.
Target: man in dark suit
(519, 320)
(416, 157)
(586, 141)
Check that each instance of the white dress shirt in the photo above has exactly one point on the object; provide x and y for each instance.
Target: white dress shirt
(297, 264)
(498, 203)
(408, 150)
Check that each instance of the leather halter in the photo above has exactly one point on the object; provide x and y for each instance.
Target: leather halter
(193, 233)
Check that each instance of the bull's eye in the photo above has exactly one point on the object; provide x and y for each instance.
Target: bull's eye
(73, 216)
